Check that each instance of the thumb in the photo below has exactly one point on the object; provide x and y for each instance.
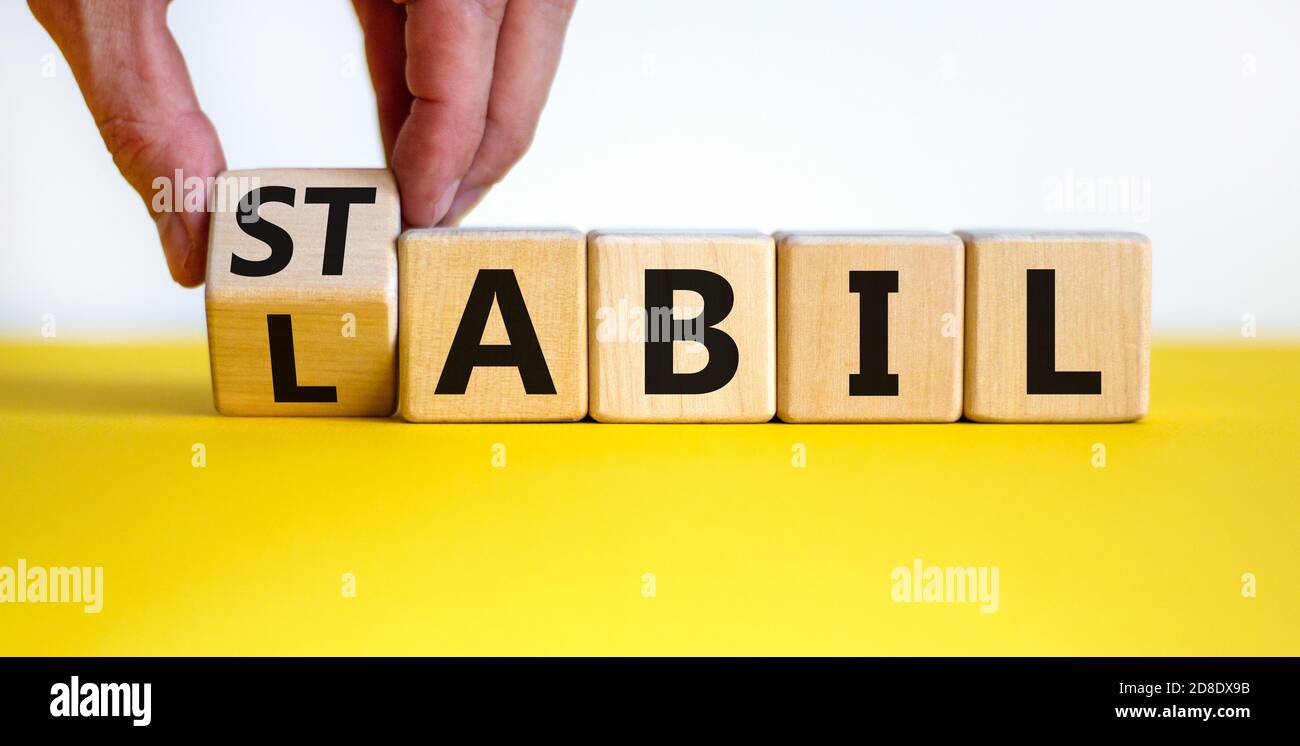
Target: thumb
(135, 83)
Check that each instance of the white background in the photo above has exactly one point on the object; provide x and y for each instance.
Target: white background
(703, 113)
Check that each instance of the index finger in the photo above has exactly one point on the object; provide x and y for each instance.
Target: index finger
(450, 49)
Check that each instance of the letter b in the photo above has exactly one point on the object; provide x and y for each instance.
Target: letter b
(724, 358)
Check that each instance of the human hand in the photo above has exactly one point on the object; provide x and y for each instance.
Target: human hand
(460, 85)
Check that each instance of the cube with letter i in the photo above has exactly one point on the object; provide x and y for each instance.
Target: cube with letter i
(869, 327)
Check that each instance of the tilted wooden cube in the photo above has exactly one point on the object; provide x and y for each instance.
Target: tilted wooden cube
(302, 293)
(869, 327)
(1058, 326)
(683, 327)
(494, 325)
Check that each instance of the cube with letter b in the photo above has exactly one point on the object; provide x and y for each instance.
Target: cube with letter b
(302, 292)
(494, 325)
(1058, 326)
(683, 327)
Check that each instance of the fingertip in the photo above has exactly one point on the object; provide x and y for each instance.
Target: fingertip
(189, 282)
(184, 250)
(463, 203)
(196, 258)
(175, 243)
(193, 271)
(424, 202)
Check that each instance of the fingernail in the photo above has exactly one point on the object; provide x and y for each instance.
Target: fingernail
(444, 202)
(461, 206)
(196, 252)
(175, 242)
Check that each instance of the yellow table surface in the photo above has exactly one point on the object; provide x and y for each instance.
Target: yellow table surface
(550, 554)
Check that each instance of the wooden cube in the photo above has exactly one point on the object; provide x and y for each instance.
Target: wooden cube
(869, 327)
(302, 292)
(683, 327)
(494, 325)
(1058, 326)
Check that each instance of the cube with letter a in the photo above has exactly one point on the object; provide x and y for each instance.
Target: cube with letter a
(494, 325)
